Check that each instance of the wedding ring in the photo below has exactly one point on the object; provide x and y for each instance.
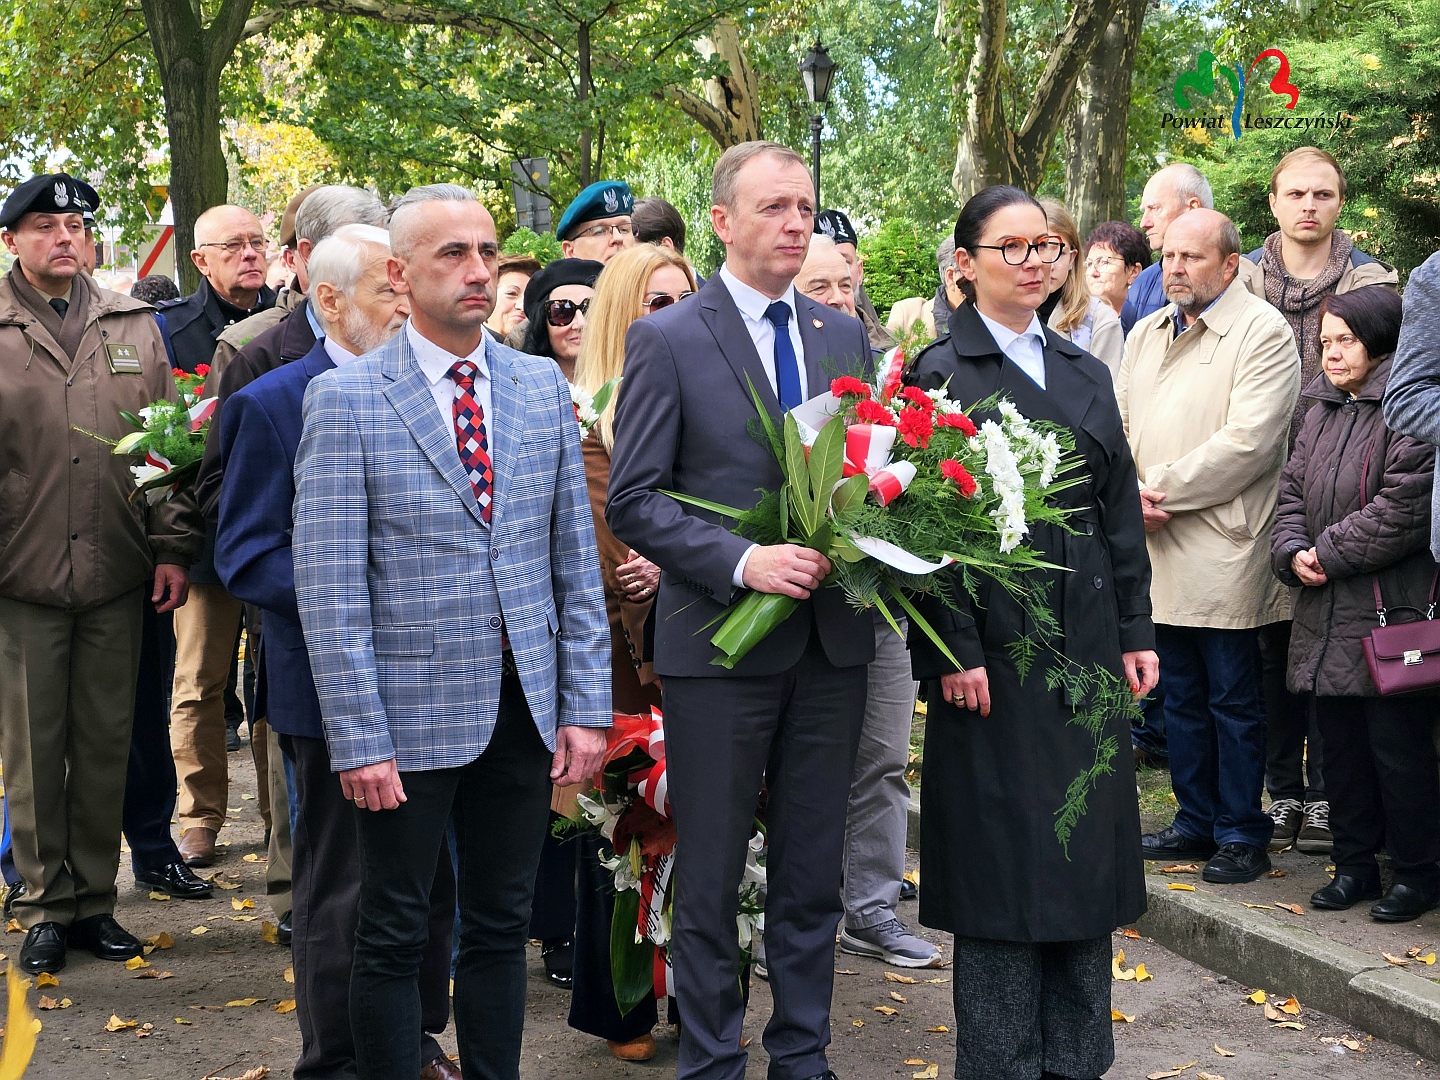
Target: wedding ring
(360, 800)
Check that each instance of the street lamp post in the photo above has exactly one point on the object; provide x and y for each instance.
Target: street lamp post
(818, 70)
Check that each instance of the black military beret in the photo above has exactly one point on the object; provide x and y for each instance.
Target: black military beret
(53, 193)
(835, 225)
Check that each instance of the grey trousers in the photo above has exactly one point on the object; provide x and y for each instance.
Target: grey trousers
(879, 796)
(1023, 1009)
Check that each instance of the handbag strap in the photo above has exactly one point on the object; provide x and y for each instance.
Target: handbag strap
(1380, 608)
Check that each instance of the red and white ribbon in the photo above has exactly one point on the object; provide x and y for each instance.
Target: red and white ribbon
(867, 450)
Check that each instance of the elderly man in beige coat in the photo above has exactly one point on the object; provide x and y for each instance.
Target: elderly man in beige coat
(1206, 390)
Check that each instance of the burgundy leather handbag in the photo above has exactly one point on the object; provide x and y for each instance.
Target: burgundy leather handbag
(1405, 657)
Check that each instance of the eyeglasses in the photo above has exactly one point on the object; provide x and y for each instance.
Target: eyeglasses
(257, 244)
(562, 312)
(1101, 262)
(655, 301)
(1016, 251)
(596, 231)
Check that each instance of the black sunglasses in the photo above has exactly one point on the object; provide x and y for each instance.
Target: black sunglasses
(663, 300)
(562, 312)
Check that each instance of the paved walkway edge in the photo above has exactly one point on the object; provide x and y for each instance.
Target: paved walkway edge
(1253, 948)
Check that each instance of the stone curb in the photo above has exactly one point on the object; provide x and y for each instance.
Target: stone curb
(1253, 948)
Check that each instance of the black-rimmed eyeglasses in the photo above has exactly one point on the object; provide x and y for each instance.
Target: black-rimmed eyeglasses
(1016, 251)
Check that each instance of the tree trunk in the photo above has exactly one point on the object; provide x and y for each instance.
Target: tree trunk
(1097, 129)
(582, 95)
(730, 110)
(191, 59)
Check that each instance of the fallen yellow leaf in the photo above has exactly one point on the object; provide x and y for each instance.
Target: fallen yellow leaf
(1222, 1053)
(22, 1026)
(1207, 1076)
(857, 1023)
(47, 1003)
(1277, 873)
(182, 1020)
(135, 963)
(1180, 868)
(241, 905)
(161, 940)
(937, 981)
(45, 979)
(1179, 886)
(1257, 998)
(916, 1061)
(1141, 974)
(1352, 1044)
(1173, 1071)
(116, 1024)
(1118, 971)
(252, 857)
(1257, 907)
(218, 880)
(289, 975)
(896, 997)
(200, 930)
(845, 971)
(145, 1030)
(939, 1029)
(244, 918)
(1294, 909)
(1399, 961)
(1118, 1017)
(243, 1003)
(156, 894)
(930, 1072)
(1131, 933)
(890, 976)
(1272, 1013)
(286, 1006)
(1291, 1006)
(269, 933)
(887, 1010)
(1290, 1025)
(14, 927)
(1428, 958)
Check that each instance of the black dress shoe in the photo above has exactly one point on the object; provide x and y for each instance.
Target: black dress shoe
(105, 937)
(908, 890)
(44, 949)
(1171, 844)
(1403, 903)
(559, 958)
(176, 880)
(283, 929)
(1235, 864)
(13, 893)
(1345, 892)
(828, 1074)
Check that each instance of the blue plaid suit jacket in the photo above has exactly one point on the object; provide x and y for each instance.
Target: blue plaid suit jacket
(401, 586)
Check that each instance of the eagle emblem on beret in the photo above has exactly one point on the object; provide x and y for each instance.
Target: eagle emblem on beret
(826, 226)
(62, 193)
(612, 201)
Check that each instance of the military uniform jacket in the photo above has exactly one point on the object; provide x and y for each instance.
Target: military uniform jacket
(70, 535)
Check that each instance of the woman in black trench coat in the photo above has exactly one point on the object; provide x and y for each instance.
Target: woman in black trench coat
(1032, 923)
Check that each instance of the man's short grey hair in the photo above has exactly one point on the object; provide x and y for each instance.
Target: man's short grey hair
(1188, 182)
(404, 215)
(328, 208)
(945, 255)
(341, 258)
(727, 169)
(1228, 239)
(821, 242)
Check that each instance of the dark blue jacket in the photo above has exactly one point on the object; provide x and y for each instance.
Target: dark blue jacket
(1146, 295)
(260, 430)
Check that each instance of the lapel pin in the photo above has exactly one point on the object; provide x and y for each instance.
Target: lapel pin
(818, 323)
(515, 379)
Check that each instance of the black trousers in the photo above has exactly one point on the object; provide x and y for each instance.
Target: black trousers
(1022, 1008)
(797, 732)
(324, 863)
(1384, 790)
(500, 803)
(592, 997)
(150, 783)
(552, 917)
(1290, 771)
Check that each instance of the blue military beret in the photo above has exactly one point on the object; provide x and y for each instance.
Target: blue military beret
(835, 225)
(603, 199)
(52, 193)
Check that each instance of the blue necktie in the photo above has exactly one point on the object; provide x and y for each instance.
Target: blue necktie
(787, 368)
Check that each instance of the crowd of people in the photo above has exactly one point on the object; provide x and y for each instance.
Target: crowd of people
(446, 589)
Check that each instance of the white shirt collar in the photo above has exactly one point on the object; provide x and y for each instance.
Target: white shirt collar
(752, 302)
(1007, 338)
(436, 362)
(338, 354)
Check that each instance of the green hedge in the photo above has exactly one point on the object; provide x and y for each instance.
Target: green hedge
(900, 262)
(524, 241)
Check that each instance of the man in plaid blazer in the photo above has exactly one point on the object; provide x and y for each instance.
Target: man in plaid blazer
(449, 588)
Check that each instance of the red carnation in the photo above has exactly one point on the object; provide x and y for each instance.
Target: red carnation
(892, 381)
(957, 420)
(918, 398)
(916, 427)
(848, 384)
(953, 470)
(202, 370)
(872, 412)
(179, 373)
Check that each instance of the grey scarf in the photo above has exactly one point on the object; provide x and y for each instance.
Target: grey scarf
(67, 334)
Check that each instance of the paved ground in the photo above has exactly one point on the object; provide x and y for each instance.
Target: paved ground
(1179, 1016)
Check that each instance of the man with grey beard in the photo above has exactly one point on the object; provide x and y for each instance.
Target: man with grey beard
(350, 294)
(1206, 391)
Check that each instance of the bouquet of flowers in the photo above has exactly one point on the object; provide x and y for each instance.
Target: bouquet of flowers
(588, 408)
(630, 809)
(169, 436)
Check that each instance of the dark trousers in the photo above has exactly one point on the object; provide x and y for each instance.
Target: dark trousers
(552, 917)
(150, 783)
(1022, 1008)
(1215, 724)
(325, 902)
(1384, 789)
(797, 732)
(1292, 769)
(1148, 732)
(592, 998)
(500, 802)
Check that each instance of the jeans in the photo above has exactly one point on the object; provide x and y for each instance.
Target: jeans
(501, 803)
(1293, 747)
(1215, 724)
(1384, 788)
(1148, 733)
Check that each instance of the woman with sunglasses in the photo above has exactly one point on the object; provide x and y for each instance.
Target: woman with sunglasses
(1032, 919)
(636, 282)
(556, 302)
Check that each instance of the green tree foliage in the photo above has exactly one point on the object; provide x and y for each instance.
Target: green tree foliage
(528, 242)
(900, 262)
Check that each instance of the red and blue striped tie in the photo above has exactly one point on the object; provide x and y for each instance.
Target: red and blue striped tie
(470, 436)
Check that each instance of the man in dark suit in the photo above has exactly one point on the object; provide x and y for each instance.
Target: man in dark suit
(789, 713)
(260, 431)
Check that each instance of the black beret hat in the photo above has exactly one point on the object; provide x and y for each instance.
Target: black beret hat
(52, 193)
(835, 225)
(551, 277)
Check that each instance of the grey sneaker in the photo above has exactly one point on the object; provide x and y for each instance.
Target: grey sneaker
(1315, 837)
(1288, 815)
(892, 943)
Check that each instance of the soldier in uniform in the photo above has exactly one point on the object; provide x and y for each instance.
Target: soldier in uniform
(77, 558)
(597, 224)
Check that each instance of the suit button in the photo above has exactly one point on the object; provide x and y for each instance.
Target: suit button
(75, 461)
(1099, 582)
(495, 622)
(74, 536)
(494, 554)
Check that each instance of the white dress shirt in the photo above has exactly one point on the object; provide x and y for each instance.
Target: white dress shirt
(1027, 349)
(339, 355)
(435, 363)
(752, 304)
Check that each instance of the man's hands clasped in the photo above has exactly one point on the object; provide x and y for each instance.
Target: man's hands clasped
(787, 569)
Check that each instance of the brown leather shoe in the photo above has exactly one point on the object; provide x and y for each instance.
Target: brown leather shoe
(197, 846)
(440, 1068)
(641, 1049)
